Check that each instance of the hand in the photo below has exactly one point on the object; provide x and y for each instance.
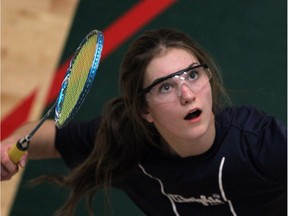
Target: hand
(8, 168)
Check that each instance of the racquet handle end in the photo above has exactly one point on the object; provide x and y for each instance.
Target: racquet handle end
(18, 150)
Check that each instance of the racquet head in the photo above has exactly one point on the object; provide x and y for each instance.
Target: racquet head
(79, 77)
(75, 86)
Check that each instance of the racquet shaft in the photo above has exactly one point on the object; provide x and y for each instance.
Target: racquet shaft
(17, 150)
(42, 120)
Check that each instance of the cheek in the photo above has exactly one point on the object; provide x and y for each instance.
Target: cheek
(162, 114)
(166, 120)
(206, 95)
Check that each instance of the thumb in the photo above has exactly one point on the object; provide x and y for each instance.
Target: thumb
(23, 160)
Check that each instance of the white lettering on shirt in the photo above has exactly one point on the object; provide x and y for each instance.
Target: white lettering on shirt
(204, 200)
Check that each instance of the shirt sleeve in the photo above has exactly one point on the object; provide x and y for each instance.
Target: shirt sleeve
(272, 150)
(75, 141)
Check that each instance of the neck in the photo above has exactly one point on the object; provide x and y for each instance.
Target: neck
(185, 148)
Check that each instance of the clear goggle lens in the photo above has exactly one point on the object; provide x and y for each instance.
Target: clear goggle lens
(169, 88)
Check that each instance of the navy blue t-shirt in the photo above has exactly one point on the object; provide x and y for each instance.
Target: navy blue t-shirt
(243, 173)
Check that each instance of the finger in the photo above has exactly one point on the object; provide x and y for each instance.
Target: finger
(6, 174)
(23, 160)
(8, 165)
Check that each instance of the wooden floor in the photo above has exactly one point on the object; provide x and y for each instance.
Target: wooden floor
(33, 34)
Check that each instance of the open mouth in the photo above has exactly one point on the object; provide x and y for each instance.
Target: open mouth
(194, 114)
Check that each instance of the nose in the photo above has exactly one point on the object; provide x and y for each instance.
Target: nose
(185, 93)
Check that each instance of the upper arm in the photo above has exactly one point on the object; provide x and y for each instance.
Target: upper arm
(42, 144)
(76, 141)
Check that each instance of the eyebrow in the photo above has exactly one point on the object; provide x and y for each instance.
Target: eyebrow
(178, 73)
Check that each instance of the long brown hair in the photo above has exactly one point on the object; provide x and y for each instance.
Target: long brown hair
(124, 135)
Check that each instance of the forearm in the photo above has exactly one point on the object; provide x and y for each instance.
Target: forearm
(41, 146)
(42, 143)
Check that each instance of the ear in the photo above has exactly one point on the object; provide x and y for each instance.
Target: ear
(148, 116)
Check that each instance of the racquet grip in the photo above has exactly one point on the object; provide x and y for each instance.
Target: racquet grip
(18, 150)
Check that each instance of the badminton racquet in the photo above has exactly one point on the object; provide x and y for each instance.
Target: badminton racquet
(75, 86)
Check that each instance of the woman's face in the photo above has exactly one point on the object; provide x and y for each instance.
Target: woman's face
(184, 117)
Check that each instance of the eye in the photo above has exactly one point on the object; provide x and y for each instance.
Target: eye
(166, 87)
(193, 75)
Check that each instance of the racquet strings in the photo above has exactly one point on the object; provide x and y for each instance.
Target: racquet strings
(80, 69)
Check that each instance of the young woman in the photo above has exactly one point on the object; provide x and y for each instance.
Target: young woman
(168, 142)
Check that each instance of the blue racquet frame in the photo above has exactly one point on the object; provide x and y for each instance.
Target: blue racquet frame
(89, 80)
(18, 149)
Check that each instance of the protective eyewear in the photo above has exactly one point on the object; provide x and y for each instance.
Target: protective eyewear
(168, 88)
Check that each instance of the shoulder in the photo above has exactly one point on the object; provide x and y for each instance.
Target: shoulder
(246, 118)
(255, 135)
(256, 130)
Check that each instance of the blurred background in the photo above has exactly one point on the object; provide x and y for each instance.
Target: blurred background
(248, 39)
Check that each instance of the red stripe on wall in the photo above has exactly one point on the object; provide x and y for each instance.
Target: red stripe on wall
(56, 83)
(133, 20)
(18, 115)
